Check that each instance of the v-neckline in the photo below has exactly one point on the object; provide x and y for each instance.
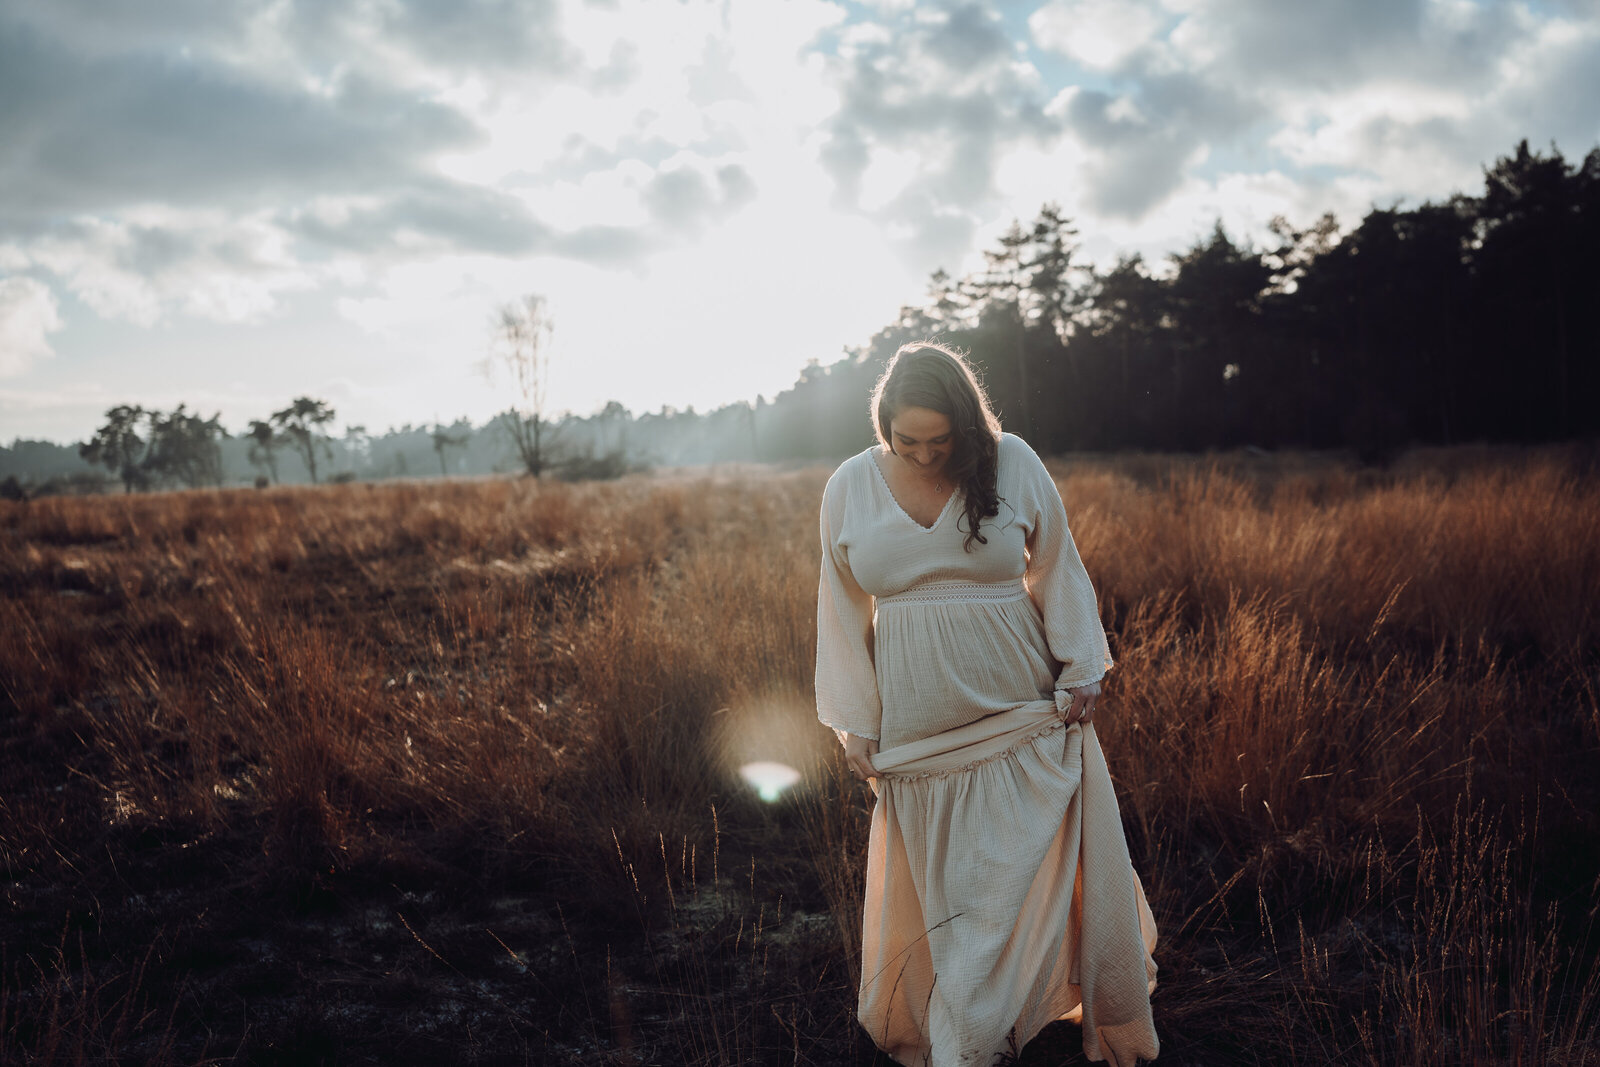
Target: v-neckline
(883, 480)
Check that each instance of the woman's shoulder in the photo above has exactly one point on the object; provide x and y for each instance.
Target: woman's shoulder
(1011, 443)
(849, 472)
(1017, 455)
(855, 465)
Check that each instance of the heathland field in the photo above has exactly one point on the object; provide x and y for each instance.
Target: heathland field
(447, 771)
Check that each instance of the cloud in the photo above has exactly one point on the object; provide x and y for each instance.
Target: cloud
(715, 78)
(1137, 146)
(1134, 165)
(947, 87)
(96, 28)
(209, 265)
(1306, 45)
(969, 38)
(684, 199)
(602, 245)
(680, 198)
(433, 217)
(524, 35)
(581, 157)
(1100, 34)
(1480, 78)
(98, 134)
(28, 316)
(1414, 94)
(210, 157)
(191, 160)
(1560, 85)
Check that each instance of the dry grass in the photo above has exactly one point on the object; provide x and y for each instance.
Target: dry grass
(362, 773)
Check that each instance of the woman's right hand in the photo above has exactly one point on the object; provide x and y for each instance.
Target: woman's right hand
(858, 753)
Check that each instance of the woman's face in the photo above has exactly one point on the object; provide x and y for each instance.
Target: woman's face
(923, 439)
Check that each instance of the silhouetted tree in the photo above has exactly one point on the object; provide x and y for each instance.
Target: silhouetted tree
(1047, 296)
(1474, 317)
(302, 423)
(185, 448)
(1060, 396)
(997, 293)
(951, 306)
(443, 439)
(1216, 305)
(1537, 281)
(118, 446)
(1126, 336)
(264, 445)
(614, 419)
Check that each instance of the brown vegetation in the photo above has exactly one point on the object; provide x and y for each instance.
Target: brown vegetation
(371, 773)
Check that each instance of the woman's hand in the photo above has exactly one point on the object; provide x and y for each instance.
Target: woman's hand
(1077, 705)
(858, 753)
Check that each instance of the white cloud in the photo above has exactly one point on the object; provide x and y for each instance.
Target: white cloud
(1100, 34)
(1420, 135)
(157, 260)
(28, 316)
(1407, 135)
(925, 115)
(1406, 98)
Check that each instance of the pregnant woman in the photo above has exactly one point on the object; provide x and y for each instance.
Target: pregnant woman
(959, 656)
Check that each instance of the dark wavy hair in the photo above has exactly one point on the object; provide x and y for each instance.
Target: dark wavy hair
(925, 374)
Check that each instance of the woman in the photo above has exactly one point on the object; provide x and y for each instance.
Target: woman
(959, 656)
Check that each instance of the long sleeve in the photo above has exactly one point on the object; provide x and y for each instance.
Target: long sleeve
(1058, 582)
(846, 681)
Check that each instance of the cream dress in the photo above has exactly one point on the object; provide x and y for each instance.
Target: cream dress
(999, 891)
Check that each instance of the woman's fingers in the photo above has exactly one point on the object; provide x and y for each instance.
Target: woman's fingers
(858, 753)
(1080, 708)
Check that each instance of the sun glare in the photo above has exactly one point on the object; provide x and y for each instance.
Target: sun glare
(769, 779)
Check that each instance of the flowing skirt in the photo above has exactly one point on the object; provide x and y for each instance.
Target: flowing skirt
(1000, 897)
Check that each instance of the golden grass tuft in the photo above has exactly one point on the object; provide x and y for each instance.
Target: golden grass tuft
(1353, 725)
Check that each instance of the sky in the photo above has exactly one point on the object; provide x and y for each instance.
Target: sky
(233, 204)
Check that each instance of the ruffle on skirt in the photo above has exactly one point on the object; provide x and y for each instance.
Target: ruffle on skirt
(1000, 897)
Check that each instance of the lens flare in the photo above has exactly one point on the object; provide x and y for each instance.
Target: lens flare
(769, 779)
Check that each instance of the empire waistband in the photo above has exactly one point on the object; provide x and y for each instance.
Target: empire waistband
(957, 591)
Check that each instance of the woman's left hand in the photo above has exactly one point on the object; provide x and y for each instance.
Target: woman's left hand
(1077, 705)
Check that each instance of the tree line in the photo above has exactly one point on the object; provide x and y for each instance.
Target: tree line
(147, 449)
(1472, 319)
(1476, 318)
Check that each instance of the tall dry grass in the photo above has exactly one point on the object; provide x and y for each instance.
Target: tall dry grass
(1353, 726)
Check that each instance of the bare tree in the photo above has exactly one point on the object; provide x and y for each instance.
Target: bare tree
(519, 350)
